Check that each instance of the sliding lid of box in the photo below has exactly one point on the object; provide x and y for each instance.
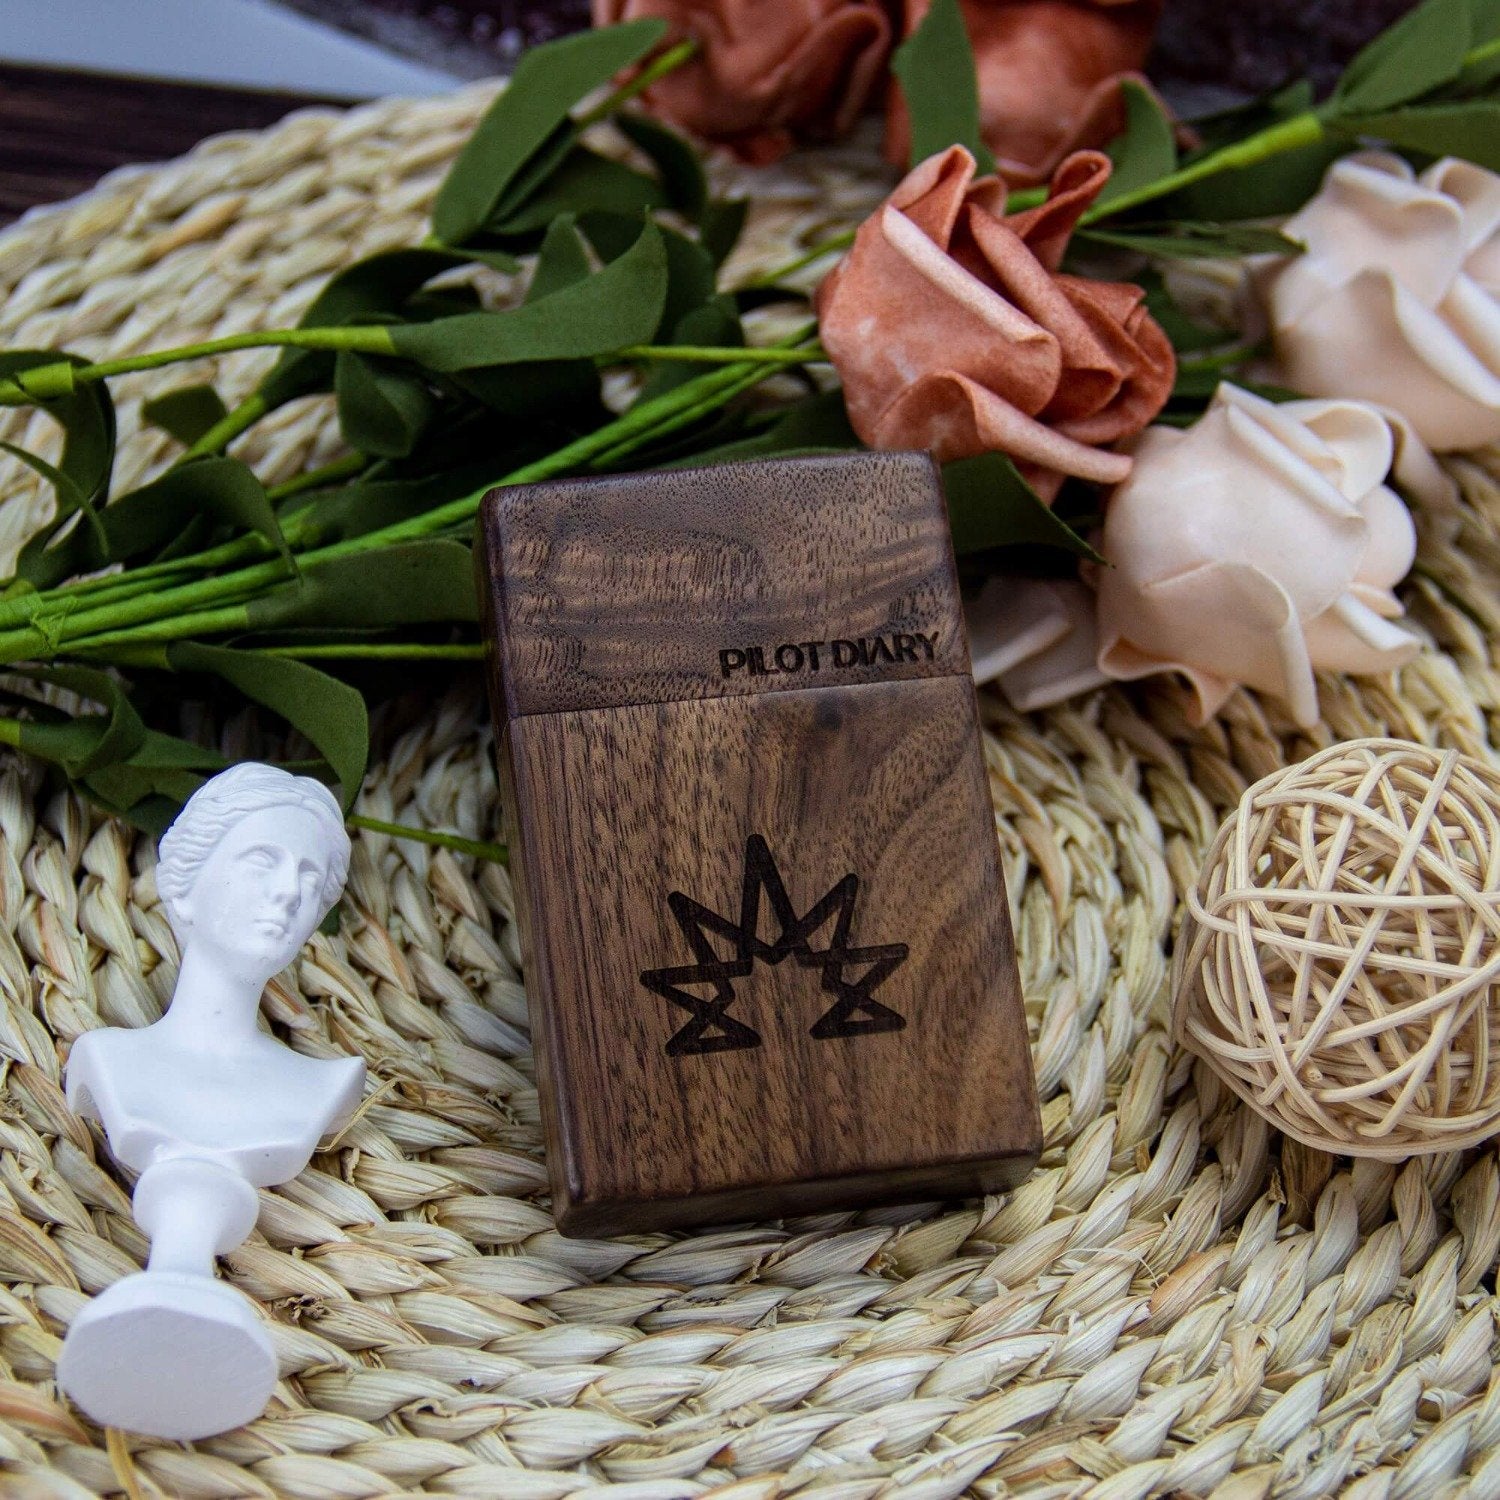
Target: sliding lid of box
(652, 588)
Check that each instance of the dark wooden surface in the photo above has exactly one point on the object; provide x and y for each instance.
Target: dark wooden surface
(1246, 47)
(628, 589)
(766, 939)
(61, 131)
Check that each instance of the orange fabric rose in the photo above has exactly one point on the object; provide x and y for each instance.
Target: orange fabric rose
(1049, 77)
(765, 76)
(952, 328)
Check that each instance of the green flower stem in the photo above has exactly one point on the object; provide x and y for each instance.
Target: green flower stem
(300, 528)
(705, 406)
(1487, 52)
(56, 380)
(217, 603)
(1305, 129)
(341, 468)
(478, 848)
(671, 59)
(381, 651)
(229, 427)
(827, 247)
(725, 355)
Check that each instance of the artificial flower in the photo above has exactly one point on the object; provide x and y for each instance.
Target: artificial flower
(1049, 74)
(1035, 637)
(765, 76)
(1396, 299)
(952, 328)
(1258, 546)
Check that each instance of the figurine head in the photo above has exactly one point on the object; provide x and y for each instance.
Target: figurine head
(254, 862)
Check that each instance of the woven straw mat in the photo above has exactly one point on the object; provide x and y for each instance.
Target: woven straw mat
(1177, 1303)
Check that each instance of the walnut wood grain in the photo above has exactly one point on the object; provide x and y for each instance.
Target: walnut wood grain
(621, 807)
(627, 589)
(765, 934)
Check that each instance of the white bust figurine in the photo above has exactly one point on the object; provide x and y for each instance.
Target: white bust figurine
(207, 1107)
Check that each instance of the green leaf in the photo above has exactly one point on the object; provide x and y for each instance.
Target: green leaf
(351, 510)
(563, 260)
(69, 496)
(546, 85)
(564, 392)
(1269, 189)
(1200, 377)
(692, 283)
(1194, 241)
(1186, 335)
(1146, 150)
(149, 787)
(1420, 52)
(714, 323)
(1469, 128)
(103, 741)
(677, 162)
(140, 524)
(935, 66)
(719, 226)
(619, 305)
(87, 417)
(377, 287)
(583, 182)
(330, 713)
(186, 413)
(383, 407)
(816, 424)
(410, 583)
(1241, 121)
(991, 505)
(1484, 24)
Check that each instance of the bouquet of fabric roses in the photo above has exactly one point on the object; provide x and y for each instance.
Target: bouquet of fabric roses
(1186, 378)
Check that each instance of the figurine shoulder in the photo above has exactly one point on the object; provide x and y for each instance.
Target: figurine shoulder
(87, 1077)
(337, 1083)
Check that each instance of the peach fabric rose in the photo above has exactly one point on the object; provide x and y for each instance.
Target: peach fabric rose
(765, 76)
(1397, 297)
(1258, 546)
(1049, 76)
(953, 330)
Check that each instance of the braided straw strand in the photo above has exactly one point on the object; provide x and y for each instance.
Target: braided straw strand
(1178, 1302)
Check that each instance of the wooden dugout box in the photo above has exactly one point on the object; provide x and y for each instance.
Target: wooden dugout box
(767, 950)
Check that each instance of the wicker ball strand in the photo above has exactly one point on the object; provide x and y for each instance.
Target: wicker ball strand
(1339, 958)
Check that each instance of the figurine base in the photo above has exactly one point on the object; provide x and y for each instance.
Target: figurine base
(169, 1354)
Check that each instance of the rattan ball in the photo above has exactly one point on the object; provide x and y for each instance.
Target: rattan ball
(1339, 957)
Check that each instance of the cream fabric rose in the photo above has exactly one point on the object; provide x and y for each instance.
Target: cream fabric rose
(1036, 638)
(1397, 297)
(1258, 546)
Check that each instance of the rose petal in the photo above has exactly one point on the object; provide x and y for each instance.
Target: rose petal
(1009, 621)
(1257, 546)
(1396, 300)
(949, 333)
(1049, 75)
(957, 418)
(1372, 341)
(765, 76)
(1368, 214)
(1254, 633)
(1047, 228)
(1352, 637)
(1068, 665)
